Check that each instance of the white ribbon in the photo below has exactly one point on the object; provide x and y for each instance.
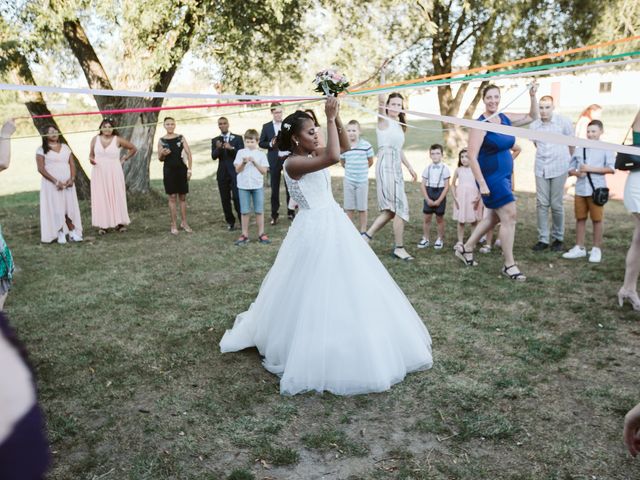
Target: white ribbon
(547, 137)
(130, 93)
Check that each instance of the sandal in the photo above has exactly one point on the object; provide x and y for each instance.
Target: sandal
(174, 230)
(519, 276)
(366, 237)
(395, 255)
(186, 228)
(121, 228)
(463, 255)
(102, 231)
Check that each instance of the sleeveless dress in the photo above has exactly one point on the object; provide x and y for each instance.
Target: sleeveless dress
(174, 170)
(56, 204)
(496, 164)
(108, 191)
(467, 193)
(389, 181)
(344, 325)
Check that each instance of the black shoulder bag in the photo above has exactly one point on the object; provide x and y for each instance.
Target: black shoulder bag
(627, 161)
(600, 196)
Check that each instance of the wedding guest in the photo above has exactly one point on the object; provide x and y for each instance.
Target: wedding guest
(59, 209)
(268, 141)
(172, 150)
(467, 204)
(592, 112)
(6, 263)
(629, 289)
(392, 199)
(108, 190)
(24, 453)
(251, 164)
(590, 165)
(492, 165)
(356, 163)
(224, 148)
(434, 187)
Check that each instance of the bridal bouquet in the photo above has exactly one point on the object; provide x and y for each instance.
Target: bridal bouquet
(330, 82)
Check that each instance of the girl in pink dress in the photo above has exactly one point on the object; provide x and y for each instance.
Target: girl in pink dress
(59, 209)
(108, 190)
(467, 204)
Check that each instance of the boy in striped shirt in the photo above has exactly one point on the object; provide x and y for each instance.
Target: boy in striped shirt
(356, 163)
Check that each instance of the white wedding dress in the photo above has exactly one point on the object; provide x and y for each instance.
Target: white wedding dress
(328, 315)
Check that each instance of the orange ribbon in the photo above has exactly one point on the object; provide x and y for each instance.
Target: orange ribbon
(502, 65)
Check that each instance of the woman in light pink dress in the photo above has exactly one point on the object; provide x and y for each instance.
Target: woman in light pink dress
(108, 190)
(59, 209)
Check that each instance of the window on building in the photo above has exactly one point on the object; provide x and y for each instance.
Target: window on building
(605, 87)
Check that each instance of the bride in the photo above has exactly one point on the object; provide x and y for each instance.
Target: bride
(345, 326)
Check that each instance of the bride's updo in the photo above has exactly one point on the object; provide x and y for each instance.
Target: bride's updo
(292, 125)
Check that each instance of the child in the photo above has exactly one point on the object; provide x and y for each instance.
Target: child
(467, 204)
(590, 165)
(434, 186)
(251, 164)
(356, 163)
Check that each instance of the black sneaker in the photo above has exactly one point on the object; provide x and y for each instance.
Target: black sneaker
(538, 247)
(231, 227)
(557, 246)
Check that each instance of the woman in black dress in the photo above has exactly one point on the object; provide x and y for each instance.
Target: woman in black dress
(172, 150)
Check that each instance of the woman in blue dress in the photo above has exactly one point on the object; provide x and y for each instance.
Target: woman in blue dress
(491, 161)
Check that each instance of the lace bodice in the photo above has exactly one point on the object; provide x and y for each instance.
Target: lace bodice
(313, 190)
(392, 136)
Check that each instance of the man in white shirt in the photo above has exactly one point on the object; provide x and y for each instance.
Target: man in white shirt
(551, 170)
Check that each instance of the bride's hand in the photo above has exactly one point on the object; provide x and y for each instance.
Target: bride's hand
(331, 108)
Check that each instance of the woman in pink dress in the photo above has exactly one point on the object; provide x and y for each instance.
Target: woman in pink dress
(108, 190)
(59, 209)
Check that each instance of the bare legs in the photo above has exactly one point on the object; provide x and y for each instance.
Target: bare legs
(174, 198)
(506, 215)
(244, 220)
(632, 269)
(398, 231)
(362, 218)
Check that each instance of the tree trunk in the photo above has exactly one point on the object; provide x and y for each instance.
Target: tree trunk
(142, 134)
(35, 103)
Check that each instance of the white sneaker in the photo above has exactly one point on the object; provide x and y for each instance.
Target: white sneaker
(483, 239)
(575, 252)
(62, 238)
(423, 243)
(596, 255)
(74, 236)
(497, 243)
(439, 244)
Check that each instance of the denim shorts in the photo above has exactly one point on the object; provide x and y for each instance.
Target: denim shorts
(255, 196)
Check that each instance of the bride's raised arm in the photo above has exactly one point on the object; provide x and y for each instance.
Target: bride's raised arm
(300, 135)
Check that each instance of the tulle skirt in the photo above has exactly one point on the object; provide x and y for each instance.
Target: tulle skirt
(329, 316)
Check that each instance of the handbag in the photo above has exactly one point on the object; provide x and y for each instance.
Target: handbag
(627, 161)
(600, 196)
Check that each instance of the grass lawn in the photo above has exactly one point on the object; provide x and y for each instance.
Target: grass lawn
(530, 380)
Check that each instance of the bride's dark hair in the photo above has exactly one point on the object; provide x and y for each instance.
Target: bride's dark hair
(292, 125)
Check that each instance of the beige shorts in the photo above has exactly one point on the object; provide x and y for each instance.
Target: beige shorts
(584, 207)
(356, 196)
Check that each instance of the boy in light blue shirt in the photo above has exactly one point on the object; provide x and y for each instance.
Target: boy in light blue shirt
(356, 163)
(590, 165)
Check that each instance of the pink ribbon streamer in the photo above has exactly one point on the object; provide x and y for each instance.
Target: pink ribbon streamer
(177, 107)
